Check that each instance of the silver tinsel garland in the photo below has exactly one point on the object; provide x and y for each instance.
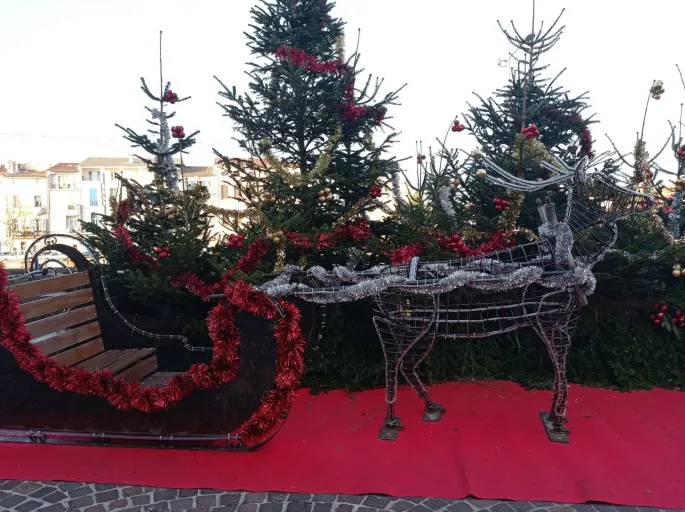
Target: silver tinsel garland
(446, 204)
(165, 164)
(674, 217)
(561, 233)
(343, 285)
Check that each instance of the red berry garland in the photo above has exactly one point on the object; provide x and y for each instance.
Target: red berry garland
(177, 132)
(531, 131)
(163, 252)
(375, 191)
(236, 240)
(500, 204)
(170, 96)
(457, 126)
(681, 153)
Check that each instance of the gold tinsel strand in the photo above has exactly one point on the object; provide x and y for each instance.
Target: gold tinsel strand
(280, 259)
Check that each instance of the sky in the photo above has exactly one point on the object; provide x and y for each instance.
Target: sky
(71, 68)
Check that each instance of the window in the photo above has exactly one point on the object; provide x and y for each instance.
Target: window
(16, 202)
(224, 191)
(112, 193)
(93, 175)
(95, 218)
(22, 246)
(37, 201)
(93, 197)
(71, 206)
(236, 193)
(72, 224)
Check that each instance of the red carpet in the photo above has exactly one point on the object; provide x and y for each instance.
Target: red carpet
(625, 449)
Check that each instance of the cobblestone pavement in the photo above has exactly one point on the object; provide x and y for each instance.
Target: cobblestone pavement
(66, 496)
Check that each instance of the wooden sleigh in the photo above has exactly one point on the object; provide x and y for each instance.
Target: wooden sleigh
(69, 320)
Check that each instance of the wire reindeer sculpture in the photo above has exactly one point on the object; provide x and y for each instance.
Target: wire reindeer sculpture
(540, 285)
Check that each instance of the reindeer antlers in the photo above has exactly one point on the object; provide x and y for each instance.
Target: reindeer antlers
(561, 172)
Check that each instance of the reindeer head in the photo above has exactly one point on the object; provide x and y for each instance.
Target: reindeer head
(594, 201)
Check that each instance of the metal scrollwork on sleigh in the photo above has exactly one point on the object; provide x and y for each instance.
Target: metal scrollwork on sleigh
(540, 285)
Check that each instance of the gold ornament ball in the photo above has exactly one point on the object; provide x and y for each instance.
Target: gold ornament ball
(329, 197)
(481, 173)
(276, 240)
(270, 236)
(322, 199)
(657, 96)
(279, 233)
(677, 271)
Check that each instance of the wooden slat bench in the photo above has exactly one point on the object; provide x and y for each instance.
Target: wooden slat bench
(62, 318)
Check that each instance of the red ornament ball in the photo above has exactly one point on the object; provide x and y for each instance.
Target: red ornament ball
(664, 307)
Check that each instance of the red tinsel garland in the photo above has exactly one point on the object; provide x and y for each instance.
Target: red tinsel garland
(405, 254)
(15, 338)
(358, 231)
(349, 110)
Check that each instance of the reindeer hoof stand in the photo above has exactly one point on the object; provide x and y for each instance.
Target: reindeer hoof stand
(556, 431)
(391, 427)
(433, 412)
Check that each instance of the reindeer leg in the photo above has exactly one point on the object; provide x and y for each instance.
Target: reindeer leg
(393, 350)
(557, 337)
(410, 363)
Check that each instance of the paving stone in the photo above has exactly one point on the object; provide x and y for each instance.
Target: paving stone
(181, 505)
(601, 507)
(118, 504)
(434, 503)
(377, 501)
(210, 491)
(483, 504)
(505, 507)
(416, 500)
(105, 487)
(420, 508)
(78, 492)
(132, 490)
(228, 508)
(230, 498)
(298, 506)
(561, 508)
(648, 509)
(4, 494)
(325, 498)
(58, 507)
(8, 485)
(255, 497)
(621, 508)
(48, 489)
(248, 507)
(271, 507)
(27, 487)
(344, 507)
(132, 509)
(525, 506)
(83, 501)
(94, 508)
(55, 496)
(12, 501)
(28, 506)
(323, 507)
(542, 504)
(142, 499)
(165, 495)
(276, 497)
(104, 497)
(187, 493)
(207, 501)
(366, 509)
(301, 497)
(157, 507)
(460, 506)
(347, 498)
(403, 506)
(66, 486)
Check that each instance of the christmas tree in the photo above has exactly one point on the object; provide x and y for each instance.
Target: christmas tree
(316, 137)
(158, 231)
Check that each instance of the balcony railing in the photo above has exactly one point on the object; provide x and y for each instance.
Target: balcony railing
(62, 186)
(30, 233)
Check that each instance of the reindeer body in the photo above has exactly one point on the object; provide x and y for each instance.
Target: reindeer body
(409, 323)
